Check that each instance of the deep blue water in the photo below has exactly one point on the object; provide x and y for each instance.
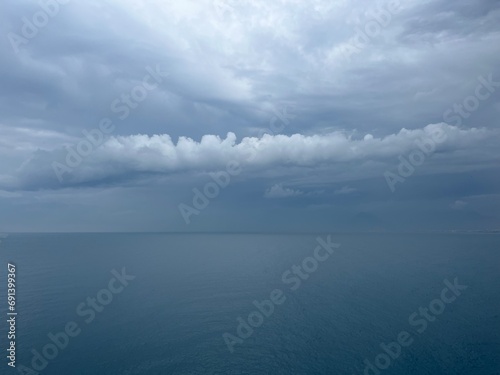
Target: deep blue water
(189, 290)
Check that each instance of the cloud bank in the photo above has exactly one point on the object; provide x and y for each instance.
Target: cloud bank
(128, 156)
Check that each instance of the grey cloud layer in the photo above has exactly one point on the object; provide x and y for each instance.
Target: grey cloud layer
(228, 62)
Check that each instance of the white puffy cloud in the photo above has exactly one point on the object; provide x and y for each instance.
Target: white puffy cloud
(126, 156)
(278, 191)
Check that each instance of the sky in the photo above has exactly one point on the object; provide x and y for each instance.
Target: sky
(249, 116)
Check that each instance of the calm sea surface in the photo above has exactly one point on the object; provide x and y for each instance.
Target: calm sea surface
(184, 292)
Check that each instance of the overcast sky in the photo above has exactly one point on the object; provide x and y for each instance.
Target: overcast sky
(311, 115)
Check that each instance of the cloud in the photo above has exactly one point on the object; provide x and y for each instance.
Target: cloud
(229, 60)
(127, 156)
(278, 191)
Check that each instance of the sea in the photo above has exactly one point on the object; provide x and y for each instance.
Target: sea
(198, 303)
